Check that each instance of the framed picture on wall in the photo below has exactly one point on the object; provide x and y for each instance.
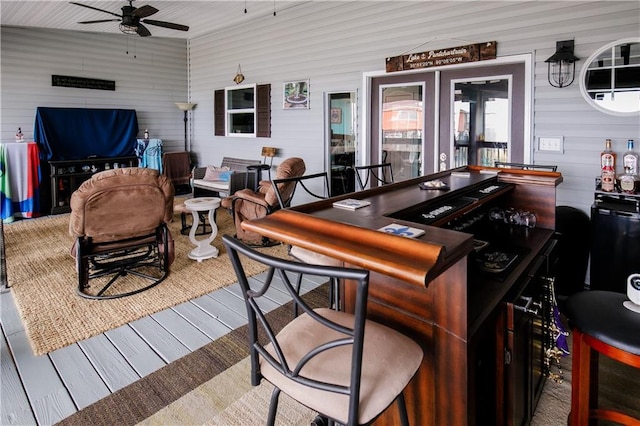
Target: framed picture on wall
(336, 115)
(296, 94)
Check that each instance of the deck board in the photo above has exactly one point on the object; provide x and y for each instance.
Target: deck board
(14, 405)
(223, 313)
(79, 376)
(49, 398)
(110, 364)
(157, 337)
(207, 323)
(181, 329)
(135, 350)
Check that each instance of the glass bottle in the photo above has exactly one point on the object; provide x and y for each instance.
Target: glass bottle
(608, 167)
(146, 133)
(629, 179)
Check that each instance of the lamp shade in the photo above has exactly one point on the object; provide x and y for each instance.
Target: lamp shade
(185, 106)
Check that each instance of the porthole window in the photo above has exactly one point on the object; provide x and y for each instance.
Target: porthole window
(610, 79)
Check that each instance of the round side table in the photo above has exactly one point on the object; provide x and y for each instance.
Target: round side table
(204, 249)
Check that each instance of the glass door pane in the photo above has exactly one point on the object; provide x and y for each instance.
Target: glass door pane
(402, 108)
(341, 115)
(480, 127)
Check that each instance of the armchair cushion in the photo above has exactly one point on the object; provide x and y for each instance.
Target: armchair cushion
(101, 207)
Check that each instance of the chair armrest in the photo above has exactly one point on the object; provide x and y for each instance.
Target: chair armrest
(251, 196)
(199, 172)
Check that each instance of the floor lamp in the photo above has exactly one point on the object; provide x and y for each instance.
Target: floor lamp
(186, 107)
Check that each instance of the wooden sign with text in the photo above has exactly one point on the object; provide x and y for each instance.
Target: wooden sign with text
(439, 57)
(82, 83)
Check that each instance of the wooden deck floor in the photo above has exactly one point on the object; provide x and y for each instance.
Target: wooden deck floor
(42, 390)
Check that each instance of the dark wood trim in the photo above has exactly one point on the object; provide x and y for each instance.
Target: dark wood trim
(263, 111)
(218, 113)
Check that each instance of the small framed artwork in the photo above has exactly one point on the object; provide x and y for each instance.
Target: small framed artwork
(296, 95)
(336, 115)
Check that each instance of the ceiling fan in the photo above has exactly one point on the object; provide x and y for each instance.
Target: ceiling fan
(131, 20)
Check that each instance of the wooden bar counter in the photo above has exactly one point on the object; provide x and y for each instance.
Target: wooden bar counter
(430, 289)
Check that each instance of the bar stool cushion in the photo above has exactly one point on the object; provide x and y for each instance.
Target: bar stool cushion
(601, 315)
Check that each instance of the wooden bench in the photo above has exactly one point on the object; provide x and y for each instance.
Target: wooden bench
(239, 179)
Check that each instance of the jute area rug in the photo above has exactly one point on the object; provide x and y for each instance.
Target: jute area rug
(43, 278)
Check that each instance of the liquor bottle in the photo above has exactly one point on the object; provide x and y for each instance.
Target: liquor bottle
(608, 167)
(629, 179)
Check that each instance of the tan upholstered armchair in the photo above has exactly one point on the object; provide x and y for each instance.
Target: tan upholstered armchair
(247, 204)
(119, 218)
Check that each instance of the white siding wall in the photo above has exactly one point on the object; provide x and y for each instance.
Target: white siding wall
(149, 79)
(333, 43)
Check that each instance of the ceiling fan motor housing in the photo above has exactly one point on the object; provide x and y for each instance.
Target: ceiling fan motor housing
(127, 16)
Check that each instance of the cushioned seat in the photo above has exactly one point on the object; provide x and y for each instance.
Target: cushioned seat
(601, 325)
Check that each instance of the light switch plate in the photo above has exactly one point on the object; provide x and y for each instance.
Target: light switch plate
(551, 143)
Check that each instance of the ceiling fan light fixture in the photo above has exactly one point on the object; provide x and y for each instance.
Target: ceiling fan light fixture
(128, 29)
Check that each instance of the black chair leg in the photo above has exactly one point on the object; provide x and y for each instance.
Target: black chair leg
(402, 407)
(273, 407)
(320, 420)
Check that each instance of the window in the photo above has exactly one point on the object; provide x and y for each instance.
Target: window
(243, 111)
(610, 81)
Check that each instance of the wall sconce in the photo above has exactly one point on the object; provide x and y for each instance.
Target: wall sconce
(268, 152)
(186, 107)
(561, 66)
(239, 78)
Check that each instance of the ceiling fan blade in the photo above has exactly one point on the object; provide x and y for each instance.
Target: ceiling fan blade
(144, 11)
(143, 31)
(95, 8)
(166, 25)
(98, 21)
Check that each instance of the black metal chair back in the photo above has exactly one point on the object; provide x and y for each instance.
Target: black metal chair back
(305, 182)
(378, 174)
(317, 358)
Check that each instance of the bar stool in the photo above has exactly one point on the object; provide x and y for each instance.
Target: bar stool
(601, 325)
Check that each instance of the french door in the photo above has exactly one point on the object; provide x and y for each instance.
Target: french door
(437, 120)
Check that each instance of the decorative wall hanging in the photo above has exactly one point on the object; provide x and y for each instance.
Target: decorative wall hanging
(239, 78)
(296, 95)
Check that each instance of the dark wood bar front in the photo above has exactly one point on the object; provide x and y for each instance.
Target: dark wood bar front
(431, 287)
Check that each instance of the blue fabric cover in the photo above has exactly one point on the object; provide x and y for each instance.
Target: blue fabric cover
(77, 133)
